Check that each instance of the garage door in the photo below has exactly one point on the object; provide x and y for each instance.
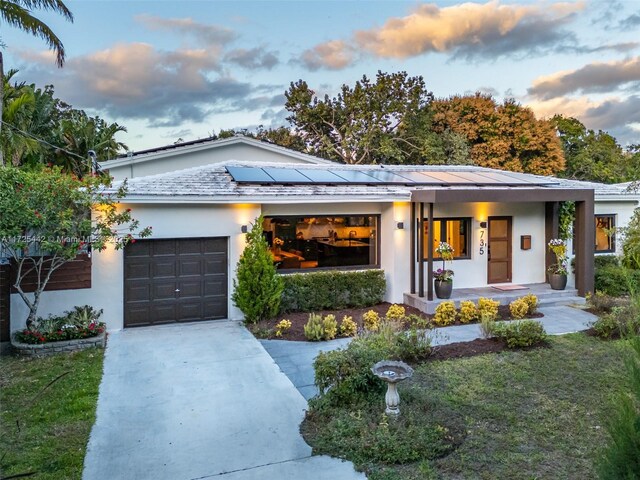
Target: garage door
(177, 280)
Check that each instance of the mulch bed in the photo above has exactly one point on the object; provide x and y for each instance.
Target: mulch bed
(467, 349)
(266, 328)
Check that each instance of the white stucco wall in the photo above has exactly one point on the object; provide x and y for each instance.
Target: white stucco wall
(195, 157)
(168, 221)
(623, 212)
(527, 219)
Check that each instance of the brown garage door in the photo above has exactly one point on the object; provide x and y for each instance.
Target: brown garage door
(177, 280)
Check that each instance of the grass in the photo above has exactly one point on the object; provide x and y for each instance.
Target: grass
(513, 415)
(46, 429)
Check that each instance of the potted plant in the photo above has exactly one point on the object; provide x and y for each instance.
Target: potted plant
(443, 277)
(558, 271)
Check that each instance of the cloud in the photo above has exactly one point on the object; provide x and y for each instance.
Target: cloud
(631, 22)
(465, 30)
(137, 81)
(616, 115)
(332, 55)
(207, 34)
(252, 59)
(595, 77)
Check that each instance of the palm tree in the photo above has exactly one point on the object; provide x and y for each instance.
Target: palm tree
(17, 13)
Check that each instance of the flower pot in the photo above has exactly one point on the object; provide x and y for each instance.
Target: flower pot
(557, 281)
(443, 289)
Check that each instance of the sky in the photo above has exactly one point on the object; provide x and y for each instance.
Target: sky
(170, 70)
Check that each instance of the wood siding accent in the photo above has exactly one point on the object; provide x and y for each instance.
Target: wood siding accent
(5, 303)
(73, 275)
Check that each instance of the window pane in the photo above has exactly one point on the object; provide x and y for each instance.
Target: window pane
(605, 233)
(316, 242)
(454, 231)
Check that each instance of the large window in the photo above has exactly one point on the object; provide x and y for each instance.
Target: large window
(605, 233)
(455, 231)
(309, 242)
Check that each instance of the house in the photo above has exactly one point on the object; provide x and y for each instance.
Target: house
(201, 196)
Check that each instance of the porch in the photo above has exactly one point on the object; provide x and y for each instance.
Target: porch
(546, 296)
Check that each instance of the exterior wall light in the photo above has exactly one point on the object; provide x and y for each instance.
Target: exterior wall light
(400, 225)
(244, 228)
(483, 224)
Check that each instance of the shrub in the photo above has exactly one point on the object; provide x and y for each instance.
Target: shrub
(615, 281)
(395, 312)
(523, 333)
(621, 456)
(318, 328)
(81, 322)
(332, 290)
(519, 308)
(603, 303)
(487, 322)
(282, 326)
(371, 321)
(488, 307)
(445, 314)
(257, 289)
(631, 245)
(314, 329)
(344, 375)
(619, 322)
(601, 261)
(468, 312)
(416, 321)
(330, 326)
(348, 327)
(532, 302)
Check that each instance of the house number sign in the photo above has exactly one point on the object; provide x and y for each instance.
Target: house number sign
(483, 243)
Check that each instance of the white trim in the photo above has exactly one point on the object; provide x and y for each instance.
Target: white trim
(205, 145)
(220, 199)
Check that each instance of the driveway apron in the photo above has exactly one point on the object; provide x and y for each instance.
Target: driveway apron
(199, 401)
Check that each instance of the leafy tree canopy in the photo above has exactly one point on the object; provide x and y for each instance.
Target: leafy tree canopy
(42, 129)
(49, 217)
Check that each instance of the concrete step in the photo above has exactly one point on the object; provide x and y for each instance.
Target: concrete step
(563, 300)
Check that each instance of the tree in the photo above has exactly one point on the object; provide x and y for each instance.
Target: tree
(17, 13)
(631, 242)
(386, 121)
(505, 136)
(46, 130)
(257, 289)
(48, 217)
(594, 156)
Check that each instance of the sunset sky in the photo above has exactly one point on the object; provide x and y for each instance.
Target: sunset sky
(184, 69)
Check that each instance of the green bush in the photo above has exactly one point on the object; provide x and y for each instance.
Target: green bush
(614, 280)
(518, 334)
(620, 321)
(332, 290)
(81, 322)
(603, 303)
(318, 328)
(621, 457)
(257, 288)
(601, 261)
(631, 245)
(345, 375)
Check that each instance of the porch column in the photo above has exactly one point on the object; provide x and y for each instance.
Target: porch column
(551, 230)
(430, 254)
(412, 232)
(585, 246)
(421, 250)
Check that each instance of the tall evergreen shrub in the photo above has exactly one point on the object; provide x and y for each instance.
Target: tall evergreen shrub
(257, 288)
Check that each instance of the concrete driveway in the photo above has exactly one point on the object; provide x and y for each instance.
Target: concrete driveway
(199, 401)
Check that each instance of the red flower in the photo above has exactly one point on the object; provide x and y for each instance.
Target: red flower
(128, 210)
(133, 240)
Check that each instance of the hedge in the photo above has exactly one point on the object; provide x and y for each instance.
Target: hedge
(611, 280)
(332, 290)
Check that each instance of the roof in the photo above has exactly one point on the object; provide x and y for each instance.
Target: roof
(213, 184)
(206, 144)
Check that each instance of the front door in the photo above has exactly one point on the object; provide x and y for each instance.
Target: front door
(499, 250)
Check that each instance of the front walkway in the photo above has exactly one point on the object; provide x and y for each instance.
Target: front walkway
(295, 359)
(195, 401)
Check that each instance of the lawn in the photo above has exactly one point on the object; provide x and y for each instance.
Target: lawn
(510, 415)
(46, 429)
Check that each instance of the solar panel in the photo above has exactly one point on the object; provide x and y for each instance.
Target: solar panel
(386, 176)
(446, 178)
(528, 179)
(420, 178)
(322, 176)
(287, 175)
(475, 178)
(355, 176)
(500, 179)
(249, 175)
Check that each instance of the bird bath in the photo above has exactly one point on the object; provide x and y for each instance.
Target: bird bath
(392, 372)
